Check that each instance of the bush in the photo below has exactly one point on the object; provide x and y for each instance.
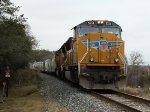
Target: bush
(26, 76)
(129, 90)
(138, 76)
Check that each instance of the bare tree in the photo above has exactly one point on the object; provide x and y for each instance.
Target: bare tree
(135, 70)
(136, 58)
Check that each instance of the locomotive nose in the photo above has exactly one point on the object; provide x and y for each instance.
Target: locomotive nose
(102, 48)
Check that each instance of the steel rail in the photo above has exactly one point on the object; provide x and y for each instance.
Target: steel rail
(99, 96)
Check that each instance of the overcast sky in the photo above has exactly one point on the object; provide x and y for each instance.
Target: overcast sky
(51, 20)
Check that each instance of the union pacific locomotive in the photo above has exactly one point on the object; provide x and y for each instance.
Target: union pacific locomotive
(94, 57)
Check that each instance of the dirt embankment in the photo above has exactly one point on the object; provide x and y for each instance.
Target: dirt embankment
(22, 99)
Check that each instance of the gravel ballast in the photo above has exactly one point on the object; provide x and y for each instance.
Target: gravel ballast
(73, 98)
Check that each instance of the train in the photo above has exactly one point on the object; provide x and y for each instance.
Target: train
(94, 57)
(46, 66)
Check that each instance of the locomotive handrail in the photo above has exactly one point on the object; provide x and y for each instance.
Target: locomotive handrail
(87, 49)
(123, 60)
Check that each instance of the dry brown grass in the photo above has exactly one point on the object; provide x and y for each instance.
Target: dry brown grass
(24, 99)
(23, 91)
(134, 91)
(142, 92)
(24, 95)
(27, 99)
(146, 93)
(27, 76)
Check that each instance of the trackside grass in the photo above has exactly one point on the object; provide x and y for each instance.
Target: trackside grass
(24, 94)
(142, 92)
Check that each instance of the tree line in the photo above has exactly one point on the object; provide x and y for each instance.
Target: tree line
(16, 41)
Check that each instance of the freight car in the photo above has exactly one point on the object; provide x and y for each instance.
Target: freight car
(94, 57)
(37, 66)
(49, 65)
(46, 66)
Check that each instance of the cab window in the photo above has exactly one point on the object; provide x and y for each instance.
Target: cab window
(85, 30)
(115, 31)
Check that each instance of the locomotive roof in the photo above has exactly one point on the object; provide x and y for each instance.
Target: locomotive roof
(98, 23)
(66, 44)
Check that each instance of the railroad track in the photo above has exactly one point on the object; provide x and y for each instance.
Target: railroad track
(127, 102)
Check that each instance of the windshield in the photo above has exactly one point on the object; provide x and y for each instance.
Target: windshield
(115, 31)
(83, 31)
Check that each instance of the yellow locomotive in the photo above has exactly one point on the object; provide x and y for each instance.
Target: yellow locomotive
(94, 57)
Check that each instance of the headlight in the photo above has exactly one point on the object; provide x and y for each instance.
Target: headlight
(102, 22)
(90, 22)
(98, 22)
(116, 60)
(91, 59)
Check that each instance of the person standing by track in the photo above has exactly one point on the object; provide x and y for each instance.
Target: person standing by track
(7, 73)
